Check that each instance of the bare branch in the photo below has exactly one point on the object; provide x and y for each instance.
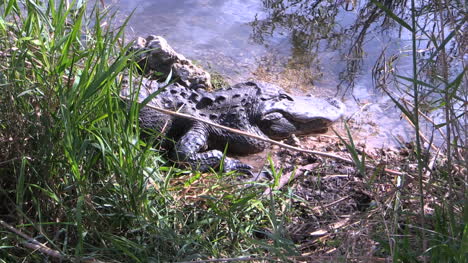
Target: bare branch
(33, 244)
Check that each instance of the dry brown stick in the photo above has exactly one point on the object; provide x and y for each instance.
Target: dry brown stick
(8, 161)
(421, 135)
(328, 155)
(33, 244)
(430, 166)
(427, 118)
(332, 203)
(320, 259)
(256, 259)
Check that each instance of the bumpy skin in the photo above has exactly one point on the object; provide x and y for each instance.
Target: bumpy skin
(153, 53)
(257, 108)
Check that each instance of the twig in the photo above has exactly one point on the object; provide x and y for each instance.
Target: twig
(327, 155)
(427, 118)
(33, 244)
(314, 259)
(257, 259)
(8, 161)
(332, 203)
(431, 163)
(422, 135)
(335, 176)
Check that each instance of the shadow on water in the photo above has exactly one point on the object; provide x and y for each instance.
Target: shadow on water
(336, 44)
(327, 48)
(316, 26)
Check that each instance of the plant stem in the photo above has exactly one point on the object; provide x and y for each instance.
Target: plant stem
(416, 124)
(448, 101)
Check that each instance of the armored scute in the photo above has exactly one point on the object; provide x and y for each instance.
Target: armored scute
(254, 107)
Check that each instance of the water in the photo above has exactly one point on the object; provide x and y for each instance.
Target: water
(244, 40)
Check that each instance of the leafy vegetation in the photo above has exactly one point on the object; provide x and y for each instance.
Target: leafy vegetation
(78, 184)
(432, 33)
(436, 82)
(74, 173)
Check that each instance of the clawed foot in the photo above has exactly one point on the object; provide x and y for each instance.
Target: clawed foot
(236, 165)
(246, 170)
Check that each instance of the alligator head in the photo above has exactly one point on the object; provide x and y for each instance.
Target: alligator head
(280, 114)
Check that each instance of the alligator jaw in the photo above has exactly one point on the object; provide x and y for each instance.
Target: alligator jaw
(300, 116)
(311, 109)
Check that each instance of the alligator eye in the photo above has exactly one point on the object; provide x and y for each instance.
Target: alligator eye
(285, 96)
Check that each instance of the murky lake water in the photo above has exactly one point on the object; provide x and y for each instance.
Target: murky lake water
(241, 40)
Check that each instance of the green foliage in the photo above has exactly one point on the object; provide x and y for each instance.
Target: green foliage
(351, 147)
(445, 230)
(77, 175)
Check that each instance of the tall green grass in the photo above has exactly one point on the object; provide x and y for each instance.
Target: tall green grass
(434, 81)
(74, 174)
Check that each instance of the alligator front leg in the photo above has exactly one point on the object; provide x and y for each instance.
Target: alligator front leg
(188, 149)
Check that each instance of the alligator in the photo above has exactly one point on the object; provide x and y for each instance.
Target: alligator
(255, 107)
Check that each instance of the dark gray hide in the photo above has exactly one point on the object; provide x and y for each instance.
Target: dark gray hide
(257, 108)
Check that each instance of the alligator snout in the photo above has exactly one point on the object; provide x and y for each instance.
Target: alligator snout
(339, 106)
(300, 115)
